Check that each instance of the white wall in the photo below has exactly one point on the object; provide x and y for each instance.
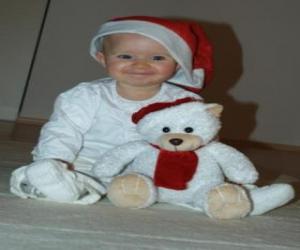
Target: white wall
(256, 53)
(19, 25)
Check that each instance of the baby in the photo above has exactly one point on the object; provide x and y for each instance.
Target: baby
(149, 60)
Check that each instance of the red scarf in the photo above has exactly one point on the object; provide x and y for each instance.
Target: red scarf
(175, 169)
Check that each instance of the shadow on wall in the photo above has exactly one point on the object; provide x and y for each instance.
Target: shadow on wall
(238, 117)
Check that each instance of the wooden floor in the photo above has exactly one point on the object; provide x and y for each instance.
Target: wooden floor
(30, 224)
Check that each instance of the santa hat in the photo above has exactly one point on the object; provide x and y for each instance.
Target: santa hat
(158, 106)
(185, 41)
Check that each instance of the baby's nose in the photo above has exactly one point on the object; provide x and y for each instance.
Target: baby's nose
(141, 62)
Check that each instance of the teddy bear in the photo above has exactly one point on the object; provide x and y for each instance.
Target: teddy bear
(181, 161)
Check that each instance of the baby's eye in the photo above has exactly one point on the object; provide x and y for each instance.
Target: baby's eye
(125, 56)
(158, 58)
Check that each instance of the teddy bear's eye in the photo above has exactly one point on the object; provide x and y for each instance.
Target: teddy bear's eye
(188, 130)
(166, 129)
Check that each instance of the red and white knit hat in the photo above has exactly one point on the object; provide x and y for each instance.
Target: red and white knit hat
(185, 41)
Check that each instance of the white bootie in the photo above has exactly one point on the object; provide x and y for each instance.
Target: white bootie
(54, 180)
(20, 186)
(51, 180)
(270, 197)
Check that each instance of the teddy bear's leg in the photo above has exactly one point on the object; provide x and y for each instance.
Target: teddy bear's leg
(227, 201)
(132, 191)
(270, 197)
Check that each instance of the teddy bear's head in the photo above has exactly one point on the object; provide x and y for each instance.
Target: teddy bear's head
(183, 125)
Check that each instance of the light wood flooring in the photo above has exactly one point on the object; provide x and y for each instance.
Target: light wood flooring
(31, 224)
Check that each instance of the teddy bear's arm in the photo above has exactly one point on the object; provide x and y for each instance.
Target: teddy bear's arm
(235, 165)
(115, 160)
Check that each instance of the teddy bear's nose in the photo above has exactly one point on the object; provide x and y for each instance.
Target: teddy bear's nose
(176, 141)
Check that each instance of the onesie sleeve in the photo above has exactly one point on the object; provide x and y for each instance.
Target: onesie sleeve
(62, 136)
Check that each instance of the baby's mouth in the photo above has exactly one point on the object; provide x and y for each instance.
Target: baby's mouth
(140, 73)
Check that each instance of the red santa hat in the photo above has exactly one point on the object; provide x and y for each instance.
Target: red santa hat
(140, 114)
(185, 41)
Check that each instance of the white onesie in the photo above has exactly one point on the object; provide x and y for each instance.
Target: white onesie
(91, 118)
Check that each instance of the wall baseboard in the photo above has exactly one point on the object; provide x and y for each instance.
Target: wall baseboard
(28, 129)
(261, 145)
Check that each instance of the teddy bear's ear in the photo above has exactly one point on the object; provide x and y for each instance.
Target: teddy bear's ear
(215, 109)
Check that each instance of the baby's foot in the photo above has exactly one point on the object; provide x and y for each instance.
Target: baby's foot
(20, 186)
(54, 180)
(57, 183)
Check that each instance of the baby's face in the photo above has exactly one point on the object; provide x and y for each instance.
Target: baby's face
(134, 60)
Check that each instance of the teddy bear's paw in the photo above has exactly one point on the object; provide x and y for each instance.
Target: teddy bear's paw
(228, 201)
(132, 191)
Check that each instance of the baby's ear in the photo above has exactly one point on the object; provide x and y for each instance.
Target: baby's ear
(215, 109)
(101, 58)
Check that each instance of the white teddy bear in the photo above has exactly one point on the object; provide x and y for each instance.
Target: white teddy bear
(181, 162)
